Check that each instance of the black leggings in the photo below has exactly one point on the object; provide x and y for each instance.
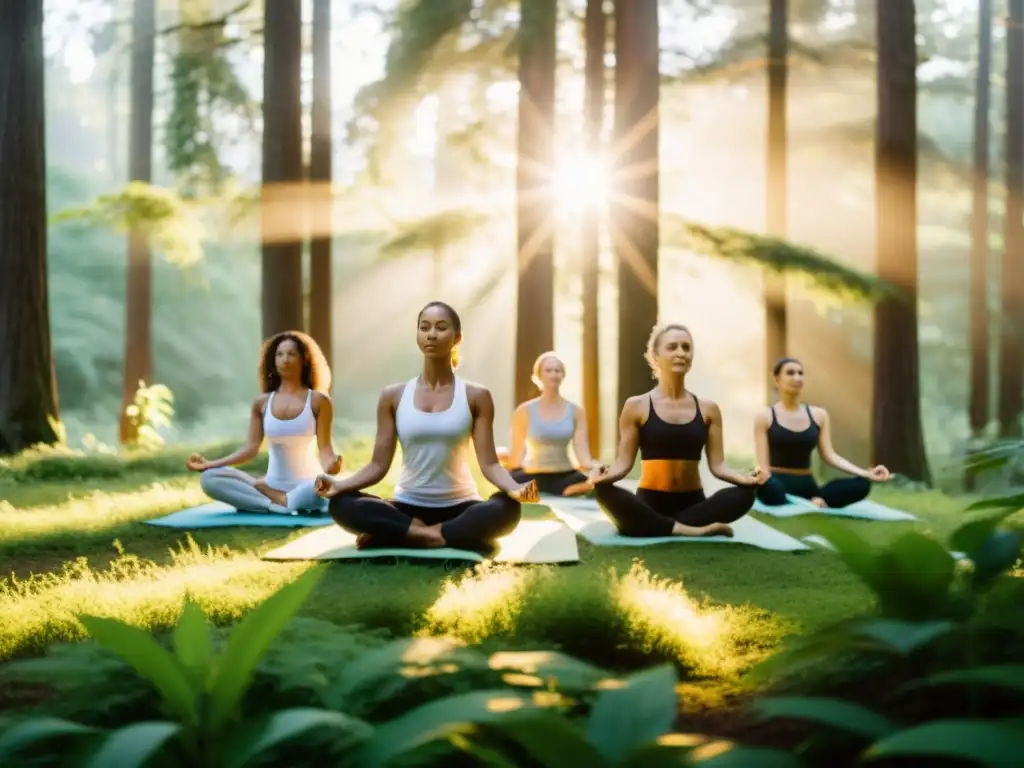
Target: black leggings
(835, 493)
(473, 525)
(654, 513)
(553, 483)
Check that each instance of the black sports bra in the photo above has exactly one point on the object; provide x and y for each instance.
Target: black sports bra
(788, 449)
(660, 439)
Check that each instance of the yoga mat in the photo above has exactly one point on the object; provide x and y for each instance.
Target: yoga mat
(533, 541)
(585, 518)
(220, 515)
(863, 510)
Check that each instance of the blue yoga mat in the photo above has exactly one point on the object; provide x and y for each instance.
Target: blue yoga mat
(864, 510)
(220, 515)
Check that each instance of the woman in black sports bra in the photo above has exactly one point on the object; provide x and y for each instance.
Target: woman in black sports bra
(786, 435)
(671, 427)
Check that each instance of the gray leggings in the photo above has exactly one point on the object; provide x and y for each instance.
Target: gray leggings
(235, 487)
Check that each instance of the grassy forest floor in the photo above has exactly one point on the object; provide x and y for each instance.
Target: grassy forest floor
(72, 541)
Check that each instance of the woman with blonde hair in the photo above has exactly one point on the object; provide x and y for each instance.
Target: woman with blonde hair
(542, 430)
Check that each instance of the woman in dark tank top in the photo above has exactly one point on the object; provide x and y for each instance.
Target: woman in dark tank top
(671, 428)
(787, 434)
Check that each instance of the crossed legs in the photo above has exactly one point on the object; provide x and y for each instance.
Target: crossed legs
(650, 514)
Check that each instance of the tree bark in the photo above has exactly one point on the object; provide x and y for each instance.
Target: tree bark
(898, 435)
(776, 178)
(1011, 337)
(595, 32)
(321, 175)
(979, 408)
(282, 164)
(635, 206)
(138, 355)
(535, 310)
(28, 389)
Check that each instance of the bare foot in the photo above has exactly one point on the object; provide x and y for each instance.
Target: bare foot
(715, 529)
(578, 489)
(819, 502)
(420, 523)
(425, 537)
(718, 529)
(276, 496)
(364, 541)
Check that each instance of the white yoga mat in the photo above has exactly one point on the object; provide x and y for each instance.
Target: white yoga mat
(533, 541)
(586, 519)
(863, 510)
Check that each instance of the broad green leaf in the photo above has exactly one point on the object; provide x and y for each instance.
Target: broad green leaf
(674, 751)
(724, 754)
(250, 640)
(836, 713)
(998, 554)
(1009, 676)
(143, 654)
(970, 536)
(132, 746)
(990, 743)
(30, 733)
(638, 711)
(550, 739)
(902, 637)
(390, 659)
(1014, 502)
(854, 551)
(438, 720)
(918, 572)
(193, 647)
(285, 725)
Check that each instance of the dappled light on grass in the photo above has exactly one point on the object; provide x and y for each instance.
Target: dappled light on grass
(660, 613)
(479, 604)
(43, 609)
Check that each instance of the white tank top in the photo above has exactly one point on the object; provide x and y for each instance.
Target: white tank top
(435, 470)
(292, 446)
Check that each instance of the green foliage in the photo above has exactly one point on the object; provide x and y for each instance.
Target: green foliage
(150, 410)
(158, 212)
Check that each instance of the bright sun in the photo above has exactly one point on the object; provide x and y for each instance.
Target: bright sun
(581, 182)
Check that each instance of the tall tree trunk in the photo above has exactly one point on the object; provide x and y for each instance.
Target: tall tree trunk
(138, 356)
(635, 209)
(595, 32)
(321, 176)
(980, 316)
(282, 165)
(898, 435)
(535, 310)
(776, 178)
(1011, 338)
(28, 390)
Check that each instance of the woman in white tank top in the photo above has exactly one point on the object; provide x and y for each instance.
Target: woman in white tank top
(295, 416)
(542, 431)
(434, 416)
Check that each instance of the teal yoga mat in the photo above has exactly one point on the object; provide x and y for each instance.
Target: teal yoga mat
(219, 515)
(863, 510)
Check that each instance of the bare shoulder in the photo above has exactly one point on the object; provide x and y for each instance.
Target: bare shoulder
(636, 407)
(523, 408)
(819, 414)
(259, 404)
(763, 418)
(317, 399)
(392, 393)
(476, 391)
(709, 408)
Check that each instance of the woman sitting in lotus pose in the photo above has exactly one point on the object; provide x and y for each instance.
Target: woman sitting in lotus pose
(786, 435)
(294, 414)
(542, 430)
(434, 416)
(671, 427)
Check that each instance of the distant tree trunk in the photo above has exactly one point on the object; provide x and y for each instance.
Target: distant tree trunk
(635, 210)
(979, 409)
(1011, 338)
(138, 355)
(28, 390)
(321, 175)
(535, 311)
(282, 165)
(898, 435)
(776, 178)
(595, 31)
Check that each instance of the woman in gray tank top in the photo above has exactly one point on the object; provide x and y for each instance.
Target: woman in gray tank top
(435, 416)
(543, 429)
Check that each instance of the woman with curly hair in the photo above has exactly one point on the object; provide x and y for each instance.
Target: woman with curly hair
(294, 414)
(671, 427)
(434, 416)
